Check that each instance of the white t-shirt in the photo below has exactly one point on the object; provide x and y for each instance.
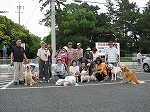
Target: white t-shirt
(74, 69)
(111, 53)
(95, 56)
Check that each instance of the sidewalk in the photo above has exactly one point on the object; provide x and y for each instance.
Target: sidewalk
(7, 70)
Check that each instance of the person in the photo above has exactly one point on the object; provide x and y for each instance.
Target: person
(88, 57)
(49, 59)
(79, 52)
(43, 54)
(83, 67)
(64, 56)
(74, 69)
(101, 69)
(71, 54)
(111, 55)
(59, 70)
(94, 52)
(17, 56)
(139, 57)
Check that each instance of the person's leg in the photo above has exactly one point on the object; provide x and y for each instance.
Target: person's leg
(47, 77)
(41, 72)
(49, 69)
(16, 73)
(21, 72)
(99, 76)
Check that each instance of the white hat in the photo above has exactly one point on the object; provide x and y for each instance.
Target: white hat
(65, 47)
(78, 44)
(59, 59)
(42, 42)
(88, 49)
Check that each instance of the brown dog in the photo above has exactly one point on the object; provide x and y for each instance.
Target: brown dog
(129, 76)
(28, 76)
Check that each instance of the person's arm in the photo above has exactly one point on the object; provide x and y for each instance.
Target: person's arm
(11, 58)
(24, 55)
(106, 57)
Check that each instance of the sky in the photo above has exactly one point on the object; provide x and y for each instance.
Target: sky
(31, 15)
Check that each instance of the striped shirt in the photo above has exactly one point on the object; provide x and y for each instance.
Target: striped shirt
(111, 53)
(71, 53)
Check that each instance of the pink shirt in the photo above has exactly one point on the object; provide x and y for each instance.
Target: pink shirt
(71, 52)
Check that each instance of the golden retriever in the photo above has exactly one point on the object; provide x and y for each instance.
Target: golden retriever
(28, 76)
(129, 76)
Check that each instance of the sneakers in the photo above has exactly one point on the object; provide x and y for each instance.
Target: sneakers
(40, 81)
(21, 82)
(47, 81)
(15, 83)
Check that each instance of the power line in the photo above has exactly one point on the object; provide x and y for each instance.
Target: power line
(32, 14)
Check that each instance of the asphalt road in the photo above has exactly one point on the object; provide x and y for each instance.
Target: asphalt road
(108, 96)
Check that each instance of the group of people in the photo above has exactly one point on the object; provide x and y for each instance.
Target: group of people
(69, 61)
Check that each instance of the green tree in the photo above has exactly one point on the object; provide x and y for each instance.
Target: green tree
(10, 32)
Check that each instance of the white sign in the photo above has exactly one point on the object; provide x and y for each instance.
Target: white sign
(102, 46)
(23, 45)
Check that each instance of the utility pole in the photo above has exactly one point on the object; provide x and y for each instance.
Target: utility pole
(19, 7)
(53, 35)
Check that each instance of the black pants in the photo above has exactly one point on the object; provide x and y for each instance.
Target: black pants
(50, 70)
(100, 77)
(43, 70)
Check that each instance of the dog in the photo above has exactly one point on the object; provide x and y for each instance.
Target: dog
(84, 76)
(129, 76)
(114, 71)
(28, 76)
(93, 78)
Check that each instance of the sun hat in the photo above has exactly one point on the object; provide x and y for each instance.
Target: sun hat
(88, 49)
(69, 43)
(78, 44)
(65, 47)
(42, 42)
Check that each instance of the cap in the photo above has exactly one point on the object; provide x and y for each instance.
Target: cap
(69, 43)
(110, 43)
(42, 42)
(65, 47)
(78, 44)
(88, 49)
(59, 59)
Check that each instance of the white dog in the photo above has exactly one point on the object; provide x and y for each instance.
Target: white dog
(28, 76)
(114, 71)
(84, 76)
(93, 78)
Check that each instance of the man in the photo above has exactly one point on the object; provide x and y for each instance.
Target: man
(17, 56)
(111, 56)
(43, 54)
(79, 52)
(49, 59)
(71, 54)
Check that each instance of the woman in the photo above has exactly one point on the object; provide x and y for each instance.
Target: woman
(74, 69)
(88, 57)
(94, 52)
(59, 70)
(101, 69)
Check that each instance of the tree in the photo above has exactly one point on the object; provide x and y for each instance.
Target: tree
(143, 30)
(124, 17)
(10, 32)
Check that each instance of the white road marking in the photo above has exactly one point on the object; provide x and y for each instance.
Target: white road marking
(111, 83)
(7, 85)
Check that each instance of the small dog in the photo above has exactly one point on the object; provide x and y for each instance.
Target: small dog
(114, 71)
(93, 78)
(129, 76)
(84, 76)
(28, 76)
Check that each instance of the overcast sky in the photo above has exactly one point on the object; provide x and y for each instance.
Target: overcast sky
(31, 15)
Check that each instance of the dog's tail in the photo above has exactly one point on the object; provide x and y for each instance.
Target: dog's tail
(140, 82)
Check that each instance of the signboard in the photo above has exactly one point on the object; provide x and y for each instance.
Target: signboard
(23, 45)
(102, 46)
(4, 48)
